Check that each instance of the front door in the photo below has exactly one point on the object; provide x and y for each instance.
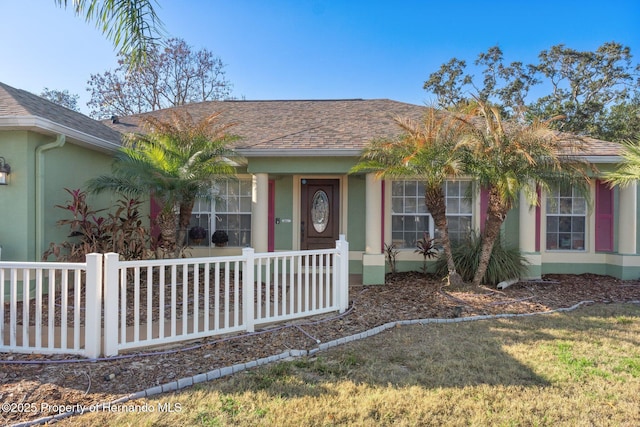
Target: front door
(320, 210)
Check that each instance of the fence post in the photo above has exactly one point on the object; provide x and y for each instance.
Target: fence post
(111, 302)
(343, 273)
(93, 303)
(248, 291)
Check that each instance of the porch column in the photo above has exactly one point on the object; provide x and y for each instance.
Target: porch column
(373, 263)
(527, 237)
(527, 228)
(260, 212)
(628, 219)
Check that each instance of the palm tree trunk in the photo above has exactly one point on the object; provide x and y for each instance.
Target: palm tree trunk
(184, 219)
(166, 221)
(496, 214)
(435, 200)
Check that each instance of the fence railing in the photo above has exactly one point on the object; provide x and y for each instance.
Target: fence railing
(51, 307)
(107, 305)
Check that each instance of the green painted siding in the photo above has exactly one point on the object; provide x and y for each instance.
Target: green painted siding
(301, 165)
(356, 213)
(511, 229)
(283, 210)
(84, 164)
(66, 167)
(16, 237)
(573, 268)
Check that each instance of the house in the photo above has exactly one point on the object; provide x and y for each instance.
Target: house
(294, 191)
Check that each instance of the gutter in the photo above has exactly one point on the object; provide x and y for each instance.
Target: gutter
(59, 142)
(40, 124)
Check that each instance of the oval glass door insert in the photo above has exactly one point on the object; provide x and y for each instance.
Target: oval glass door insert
(320, 211)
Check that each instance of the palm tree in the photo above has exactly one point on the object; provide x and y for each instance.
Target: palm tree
(132, 25)
(629, 170)
(176, 160)
(424, 151)
(507, 159)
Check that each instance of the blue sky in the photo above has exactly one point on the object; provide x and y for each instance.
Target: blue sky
(315, 49)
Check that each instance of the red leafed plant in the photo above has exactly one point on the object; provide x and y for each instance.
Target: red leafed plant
(121, 231)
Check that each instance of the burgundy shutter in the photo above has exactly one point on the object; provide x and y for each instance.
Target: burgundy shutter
(271, 217)
(538, 215)
(604, 217)
(154, 211)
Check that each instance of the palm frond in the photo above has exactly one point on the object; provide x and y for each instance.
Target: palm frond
(628, 171)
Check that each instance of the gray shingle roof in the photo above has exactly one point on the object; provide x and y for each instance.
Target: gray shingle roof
(17, 103)
(314, 127)
(264, 126)
(294, 127)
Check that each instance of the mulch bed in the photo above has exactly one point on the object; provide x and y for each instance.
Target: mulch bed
(405, 296)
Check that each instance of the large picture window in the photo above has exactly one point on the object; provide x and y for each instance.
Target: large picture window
(410, 219)
(566, 219)
(228, 209)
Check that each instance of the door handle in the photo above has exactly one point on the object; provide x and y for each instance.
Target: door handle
(302, 228)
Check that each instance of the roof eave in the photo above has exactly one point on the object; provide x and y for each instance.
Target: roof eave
(318, 152)
(603, 159)
(46, 126)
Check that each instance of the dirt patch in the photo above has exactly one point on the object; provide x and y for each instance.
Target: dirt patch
(405, 296)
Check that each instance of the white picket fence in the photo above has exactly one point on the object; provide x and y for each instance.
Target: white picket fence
(105, 305)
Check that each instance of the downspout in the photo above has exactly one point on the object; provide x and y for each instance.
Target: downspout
(59, 142)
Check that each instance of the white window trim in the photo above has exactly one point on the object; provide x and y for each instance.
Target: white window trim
(409, 253)
(589, 224)
(213, 215)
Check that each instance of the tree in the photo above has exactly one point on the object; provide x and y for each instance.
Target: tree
(622, 121)
(424, 151)
(171, 76)
(176, 160)
(132, 25)
(628, 170)
(583, 86)
(510, 158)
(507, 84)
(61, 97)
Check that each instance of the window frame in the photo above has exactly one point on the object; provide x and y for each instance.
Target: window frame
(421, 210)
(555, 198)
(211, 207)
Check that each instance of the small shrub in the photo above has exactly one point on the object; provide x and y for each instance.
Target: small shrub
(390, 253)
(426, 247)
(505, 263)
(121, 231)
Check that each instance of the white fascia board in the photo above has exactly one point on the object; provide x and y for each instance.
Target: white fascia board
(39, 124)
(299, 153)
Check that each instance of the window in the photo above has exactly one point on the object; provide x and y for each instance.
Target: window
(458, 195)
(410, 218)
(566, 219)
(229, 209)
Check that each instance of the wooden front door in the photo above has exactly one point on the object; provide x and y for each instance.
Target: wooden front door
(320, 213)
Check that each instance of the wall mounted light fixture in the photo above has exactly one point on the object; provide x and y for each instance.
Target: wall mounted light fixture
(5, 170)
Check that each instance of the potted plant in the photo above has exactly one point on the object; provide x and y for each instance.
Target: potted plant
(197, 234)
(219, 238)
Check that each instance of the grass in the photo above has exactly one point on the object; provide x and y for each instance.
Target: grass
(577, 368)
